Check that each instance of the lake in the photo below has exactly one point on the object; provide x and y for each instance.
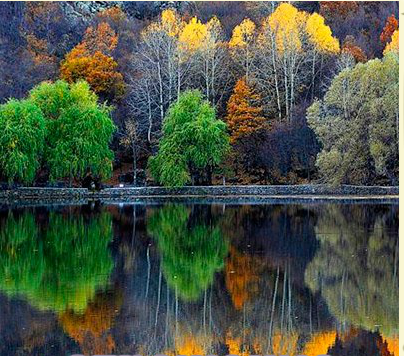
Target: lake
(184, 279)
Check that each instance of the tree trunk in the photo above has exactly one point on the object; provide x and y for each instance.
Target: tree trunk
(134, 166)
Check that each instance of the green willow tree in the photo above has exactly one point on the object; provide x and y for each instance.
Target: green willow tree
(79, 130)
(193, 141)
(22, 134)
(60, 268)
(191, 253)
(357, 124)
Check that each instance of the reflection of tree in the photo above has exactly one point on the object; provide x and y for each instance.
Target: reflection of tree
(241, 277)
(355, 268)
(319, 343)
(392, 344)
(236, 346)
(285, 343)
(191, 252)
(360, 342)
(60, 268)
(192, 342)
(91, 328)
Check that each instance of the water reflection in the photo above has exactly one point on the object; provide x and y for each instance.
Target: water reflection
(200, 279)
(191, 250)
(57, 265)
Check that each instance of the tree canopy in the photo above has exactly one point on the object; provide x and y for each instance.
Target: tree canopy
(143, 58)
(193, 140)
(79, 130)
(22, 138)
(357, 124)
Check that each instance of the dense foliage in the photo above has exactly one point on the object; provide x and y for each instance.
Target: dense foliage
(22, 135)
(79, 130)
(61, 128)
(357, 124)
(259, 65)
(193, 142)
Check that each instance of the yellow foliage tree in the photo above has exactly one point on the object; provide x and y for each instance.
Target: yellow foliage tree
(170, 23)
(320, 34)
(193, 35)
(394, 44)
(241, 44)
(243, 34)
(244, 116)
(287, 41)
(288, 24)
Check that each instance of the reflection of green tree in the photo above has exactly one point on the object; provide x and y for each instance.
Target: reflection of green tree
(59, 269)
(191, 254)
(355, 268)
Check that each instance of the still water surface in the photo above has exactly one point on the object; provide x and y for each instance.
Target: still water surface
(199, 279)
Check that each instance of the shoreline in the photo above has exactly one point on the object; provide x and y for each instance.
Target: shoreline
(236, 193)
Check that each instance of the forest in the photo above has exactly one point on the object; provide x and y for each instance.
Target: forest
(198, 93)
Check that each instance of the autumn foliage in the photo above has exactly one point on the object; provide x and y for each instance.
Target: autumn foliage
(241, 277)
(91, 328)
(141, 58)
(394, 44)
(342, 8)
(244, 115)
(91, 60)
(389, 28)
(349, 47)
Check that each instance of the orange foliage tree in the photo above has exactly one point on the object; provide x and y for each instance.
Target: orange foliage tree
(244, 115)
(91, 60)
(389, 28)
(349, 47)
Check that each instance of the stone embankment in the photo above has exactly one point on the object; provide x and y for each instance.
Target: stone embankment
(259, 192)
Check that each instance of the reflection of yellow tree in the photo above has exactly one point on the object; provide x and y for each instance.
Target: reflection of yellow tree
(355, 269)
(90, 329)
(392, 344)
(190, 254)
(190, 345)
(60, 269)
(189, 340)
(319, 343)
(241, 277)
(285, 343)
(236, 346)
(193, 344)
